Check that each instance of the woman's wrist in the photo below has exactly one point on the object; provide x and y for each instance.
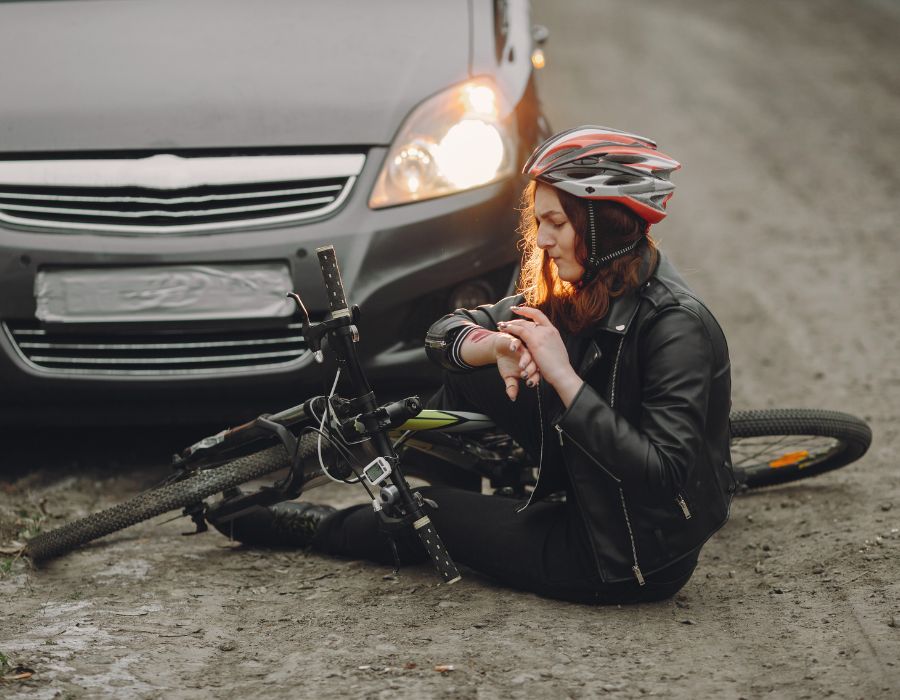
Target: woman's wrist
(567, 386)
(499, 341)
(477, 347)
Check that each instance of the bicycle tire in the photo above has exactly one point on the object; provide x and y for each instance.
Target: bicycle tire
(777, 446)
(180, 494)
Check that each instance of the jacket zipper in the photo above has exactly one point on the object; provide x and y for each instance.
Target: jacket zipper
(587, 454)
(636, 569)
(541, 454)
(615, 373)
(679, 499)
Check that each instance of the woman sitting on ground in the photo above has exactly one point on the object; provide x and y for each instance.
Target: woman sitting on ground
(606, 368)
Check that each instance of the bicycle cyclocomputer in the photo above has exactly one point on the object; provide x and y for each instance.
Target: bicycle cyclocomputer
(377, 471)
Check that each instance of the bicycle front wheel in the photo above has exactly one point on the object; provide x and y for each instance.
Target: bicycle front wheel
(776, 446)
(180, 494)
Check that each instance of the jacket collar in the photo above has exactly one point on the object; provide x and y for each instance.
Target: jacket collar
(623, 309)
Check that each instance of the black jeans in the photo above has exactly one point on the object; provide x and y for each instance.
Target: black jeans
(542, 548)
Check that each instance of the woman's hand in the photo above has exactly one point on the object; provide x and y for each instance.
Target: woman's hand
(514, 362)
(547, 350)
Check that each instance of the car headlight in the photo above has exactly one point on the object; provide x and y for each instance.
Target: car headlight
(461, 138)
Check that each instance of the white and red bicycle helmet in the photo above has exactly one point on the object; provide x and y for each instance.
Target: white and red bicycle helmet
(595, 162)
(599, 163)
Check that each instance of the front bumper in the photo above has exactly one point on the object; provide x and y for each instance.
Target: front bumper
(399, 265)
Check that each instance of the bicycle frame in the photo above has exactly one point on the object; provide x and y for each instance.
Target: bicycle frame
(355, 419)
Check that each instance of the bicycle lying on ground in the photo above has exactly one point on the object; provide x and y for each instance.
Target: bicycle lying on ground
(354, 440)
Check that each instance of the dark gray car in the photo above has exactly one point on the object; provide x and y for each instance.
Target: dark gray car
(168, 168)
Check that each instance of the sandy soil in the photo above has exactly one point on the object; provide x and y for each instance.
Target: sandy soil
(785, 116)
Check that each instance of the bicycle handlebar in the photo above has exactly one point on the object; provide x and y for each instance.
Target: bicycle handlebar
(331, 275)
(345, 347)
(436, 550)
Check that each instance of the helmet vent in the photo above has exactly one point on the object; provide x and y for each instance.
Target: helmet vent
(557, 155)
(622, 158)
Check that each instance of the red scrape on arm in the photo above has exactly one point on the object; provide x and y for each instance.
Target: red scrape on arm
(479, 335)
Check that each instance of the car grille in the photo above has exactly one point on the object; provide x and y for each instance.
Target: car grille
(172, 194)
(185, 351)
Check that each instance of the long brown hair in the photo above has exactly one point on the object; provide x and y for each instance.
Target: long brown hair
(574, 307)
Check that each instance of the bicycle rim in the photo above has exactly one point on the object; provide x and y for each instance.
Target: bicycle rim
(778, 446)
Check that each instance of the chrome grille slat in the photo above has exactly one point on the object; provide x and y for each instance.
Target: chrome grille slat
(159, 346)
(113, 350)
(162, 212)
(49, 359)
(168, 194)
(40, 331)
(171, 200)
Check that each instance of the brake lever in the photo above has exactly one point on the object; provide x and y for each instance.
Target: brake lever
(312, 339)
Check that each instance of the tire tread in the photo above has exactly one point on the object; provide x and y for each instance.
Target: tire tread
(149, 504)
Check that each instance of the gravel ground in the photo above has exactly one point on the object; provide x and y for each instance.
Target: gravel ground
(785, 117)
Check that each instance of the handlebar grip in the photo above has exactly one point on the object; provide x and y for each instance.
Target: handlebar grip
(436, 550)
(333, 284)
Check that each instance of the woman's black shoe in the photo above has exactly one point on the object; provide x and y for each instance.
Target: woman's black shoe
(288, 524)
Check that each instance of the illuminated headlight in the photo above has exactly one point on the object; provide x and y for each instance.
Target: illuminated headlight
(461, 138)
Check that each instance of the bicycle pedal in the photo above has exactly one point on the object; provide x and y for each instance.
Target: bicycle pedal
(198, 515)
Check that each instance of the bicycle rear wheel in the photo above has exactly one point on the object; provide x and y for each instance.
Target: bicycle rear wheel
(776, 446)
(180, 494)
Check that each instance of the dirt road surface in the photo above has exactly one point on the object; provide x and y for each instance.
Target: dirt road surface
(785, 116)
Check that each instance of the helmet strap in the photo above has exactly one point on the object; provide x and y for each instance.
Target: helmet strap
(594, 261)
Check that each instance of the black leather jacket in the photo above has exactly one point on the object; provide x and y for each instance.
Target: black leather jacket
(646, 443)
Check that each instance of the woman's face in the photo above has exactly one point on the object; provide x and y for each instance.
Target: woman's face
(555, 234)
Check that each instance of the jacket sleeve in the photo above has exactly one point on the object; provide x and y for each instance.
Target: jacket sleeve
(655, 456)
(447, 333)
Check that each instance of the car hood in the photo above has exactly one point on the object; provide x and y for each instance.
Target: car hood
(168, 74)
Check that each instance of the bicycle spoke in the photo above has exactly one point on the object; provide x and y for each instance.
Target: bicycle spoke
(765, 448)
(751, 452)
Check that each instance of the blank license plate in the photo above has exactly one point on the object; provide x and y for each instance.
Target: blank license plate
(163, 293)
